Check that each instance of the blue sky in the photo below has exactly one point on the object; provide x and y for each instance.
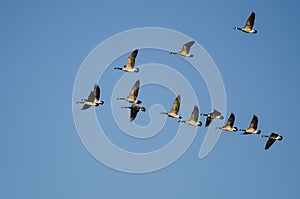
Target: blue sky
(42, 47)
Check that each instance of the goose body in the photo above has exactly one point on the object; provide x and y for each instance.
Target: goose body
(185, 50)
(129, 67)
(210, 116)
(229, 124)
(133, 94)
(193, 121)
(252, 127)
(248, 28)
(93, 99)
(134, 109)
(272, 138)
(175, 108)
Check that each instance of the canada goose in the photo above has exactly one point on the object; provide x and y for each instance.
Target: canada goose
(185, 50)
(229, 124)
(194, 118)
(129, 67)
(210, 116)
(133, 94)
(272, 138)
(252, 127)
(249, 25)
(93, 99)
(175, 108)
(134, 110)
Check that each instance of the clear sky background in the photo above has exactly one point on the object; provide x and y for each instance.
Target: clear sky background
(43, 44)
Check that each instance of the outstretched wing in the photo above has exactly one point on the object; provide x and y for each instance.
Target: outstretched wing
(250, 21)
(269, 143)
(230, 121)
(208, 121)
(176, 105)
(91, 97)
(254, 122)
(85, 106)
(195, 114)
(97, 92)
(133, 112)
(135, 90)
(131, 59)
(215, 113)
(186, 47)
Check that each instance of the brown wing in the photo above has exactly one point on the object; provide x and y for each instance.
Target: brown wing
(96, 92)
(250, 21)
(91, 97)
(131, 59)
(215, 113)
(176, 105)
(186, 47)
(135, 90)
(85, 106)
(230, 121)
(133, 112)
(269, 143)
(254, 122)
(195, 114)
(208, 121)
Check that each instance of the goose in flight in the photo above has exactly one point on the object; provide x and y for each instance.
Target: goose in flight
(194, 118)
(252, 127)
(133, 94)
(272, 138)
(185, 50)
(249, 25)
(229, 124)
(210, 116)
(175, 108)
(134, 109)
(93, 99)
(129, 67)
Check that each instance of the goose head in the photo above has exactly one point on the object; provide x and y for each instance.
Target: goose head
(138, 102)
(234, 129)
(99, 102)
(258, 131)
